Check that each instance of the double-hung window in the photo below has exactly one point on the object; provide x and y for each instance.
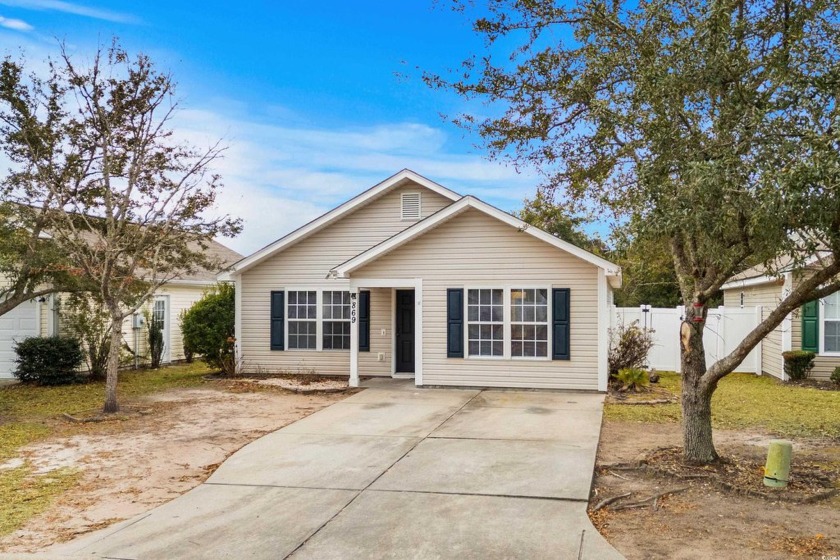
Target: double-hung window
(336, 316)
(303, 320)
(485, 322)
(529, 323)
(831, 323)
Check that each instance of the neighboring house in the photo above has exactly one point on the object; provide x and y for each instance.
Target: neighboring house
(411, 279)
(42, 317)
(814, 327)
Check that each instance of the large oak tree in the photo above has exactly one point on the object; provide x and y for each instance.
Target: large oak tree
(709, 124)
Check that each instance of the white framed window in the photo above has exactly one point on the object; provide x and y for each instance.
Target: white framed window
(336, 320)
(302, 313)
(830, 319)
(485, 322)
(529, 322)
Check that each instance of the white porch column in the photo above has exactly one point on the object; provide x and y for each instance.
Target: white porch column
(354, 336)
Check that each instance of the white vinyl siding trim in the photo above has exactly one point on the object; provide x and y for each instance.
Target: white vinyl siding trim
(410, 206)
(477, 250)
(307, 263)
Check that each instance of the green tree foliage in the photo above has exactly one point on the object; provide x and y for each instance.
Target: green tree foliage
(711, 126)
(208, 326)
(137, 205)
(542, 211)
(86, 319)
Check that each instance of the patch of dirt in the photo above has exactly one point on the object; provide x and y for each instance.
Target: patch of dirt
(301, 383)
(821, 384)
(713, 517)
(140, 460)
(652, 394)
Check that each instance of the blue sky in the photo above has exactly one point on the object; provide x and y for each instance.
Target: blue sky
(316, 101)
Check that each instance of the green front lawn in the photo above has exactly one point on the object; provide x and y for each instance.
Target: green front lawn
(745, 401)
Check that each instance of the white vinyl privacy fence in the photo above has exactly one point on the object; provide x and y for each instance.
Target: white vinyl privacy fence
(725, 329)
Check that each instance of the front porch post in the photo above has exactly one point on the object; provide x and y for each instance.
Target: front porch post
(354, 336)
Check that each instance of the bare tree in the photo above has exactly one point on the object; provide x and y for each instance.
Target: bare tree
(138, 206)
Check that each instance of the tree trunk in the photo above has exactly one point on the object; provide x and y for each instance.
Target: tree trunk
(698, 446)
(112, 374)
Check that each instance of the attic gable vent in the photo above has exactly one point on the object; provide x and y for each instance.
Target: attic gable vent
(410, 206)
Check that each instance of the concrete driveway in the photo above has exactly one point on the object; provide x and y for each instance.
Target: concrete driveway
(392, 472)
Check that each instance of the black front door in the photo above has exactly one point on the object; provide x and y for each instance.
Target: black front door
(405, 331)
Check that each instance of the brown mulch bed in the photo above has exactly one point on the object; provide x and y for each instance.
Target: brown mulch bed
(821, 384)
(809, 482)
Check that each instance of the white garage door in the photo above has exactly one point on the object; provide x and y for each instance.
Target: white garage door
(15, 325)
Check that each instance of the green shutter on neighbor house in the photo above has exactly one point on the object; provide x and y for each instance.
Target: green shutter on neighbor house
(364, 321)
(811, 326)
(278, 325)
(560, 324)
(455, 323)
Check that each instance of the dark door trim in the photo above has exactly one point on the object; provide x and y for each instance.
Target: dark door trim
(405, 354)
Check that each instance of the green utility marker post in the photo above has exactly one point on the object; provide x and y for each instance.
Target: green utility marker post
(777, 469)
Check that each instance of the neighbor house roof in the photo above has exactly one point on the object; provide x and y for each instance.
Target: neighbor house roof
(401, 178)
(760, 275)
(613, 271)
(215, 251)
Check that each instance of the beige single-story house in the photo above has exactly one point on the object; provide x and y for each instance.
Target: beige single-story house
(814, 327)
(42, 316)
(410, 279)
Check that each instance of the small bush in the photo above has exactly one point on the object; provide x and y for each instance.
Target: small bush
(87, 320)
(155, 341)
(632, 379)
(50, 360)
(835, 375)
(629, 347)
(798, 364)
(208, 328)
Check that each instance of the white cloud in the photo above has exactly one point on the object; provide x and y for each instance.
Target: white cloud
(71, 8)
(16, 24)
(277, 178)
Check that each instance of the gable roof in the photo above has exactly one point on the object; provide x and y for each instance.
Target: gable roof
(397, 180)
(343, 270)
(759, 275)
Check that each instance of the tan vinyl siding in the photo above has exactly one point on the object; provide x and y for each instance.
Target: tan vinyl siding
(474, 249)
(181, 297)
(768, 297)
(823, 365)
(306, 265)
(381, 314)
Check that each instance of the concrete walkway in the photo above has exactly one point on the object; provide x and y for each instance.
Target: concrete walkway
(392, 472)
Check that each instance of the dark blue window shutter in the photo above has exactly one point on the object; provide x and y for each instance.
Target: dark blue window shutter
(560, 324)
(455, 323)
(364, 321)
(278, 325)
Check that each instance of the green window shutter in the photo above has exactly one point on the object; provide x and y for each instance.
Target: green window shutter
(811, 326)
